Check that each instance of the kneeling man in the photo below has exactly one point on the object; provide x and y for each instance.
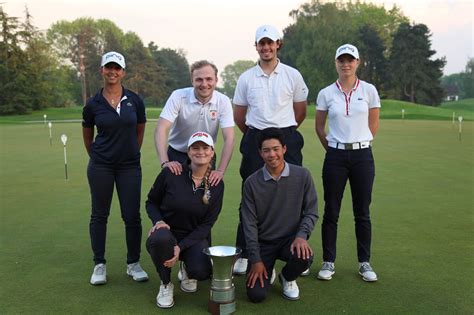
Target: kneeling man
(279, 211)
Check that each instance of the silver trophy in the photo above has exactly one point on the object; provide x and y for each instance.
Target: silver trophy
(222, 297)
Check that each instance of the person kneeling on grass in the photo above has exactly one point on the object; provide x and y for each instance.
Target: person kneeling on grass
(183, 208)
(279, 211)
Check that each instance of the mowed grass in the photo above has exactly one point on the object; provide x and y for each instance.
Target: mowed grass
(422, 212)
(391, 109)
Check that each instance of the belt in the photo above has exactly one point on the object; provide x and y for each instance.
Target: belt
(350, 146)
(285, 129)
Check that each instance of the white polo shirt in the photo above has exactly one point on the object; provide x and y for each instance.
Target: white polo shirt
(270, 98)
(348, 114)
(188, 116)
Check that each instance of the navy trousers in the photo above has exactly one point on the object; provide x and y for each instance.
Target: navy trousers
(160, 245)
(127, 179)
(270, 252)
(358, 167)
(251, 162)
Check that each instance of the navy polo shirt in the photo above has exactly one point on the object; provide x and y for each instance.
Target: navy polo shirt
(116, 141)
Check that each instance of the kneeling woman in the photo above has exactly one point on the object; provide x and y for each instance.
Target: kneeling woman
(183, 208)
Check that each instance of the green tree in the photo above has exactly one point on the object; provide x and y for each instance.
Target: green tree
(143, 75)
(174, 68)
(415, 77)
(78, 43)
(13, 76)
(453, 84)
(373, 64)
(319, 28)
(468, 79)
(231, 74)
(30, 76)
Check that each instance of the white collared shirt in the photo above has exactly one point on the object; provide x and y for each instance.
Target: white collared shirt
(270, 98)
(188, 116)
(348, 114)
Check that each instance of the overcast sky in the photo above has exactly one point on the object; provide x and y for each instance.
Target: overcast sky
(223, 31)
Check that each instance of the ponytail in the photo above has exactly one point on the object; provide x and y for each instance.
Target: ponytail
(207, 192)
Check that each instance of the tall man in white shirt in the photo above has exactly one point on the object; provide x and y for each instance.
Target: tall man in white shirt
(270, 94)
(196, 108)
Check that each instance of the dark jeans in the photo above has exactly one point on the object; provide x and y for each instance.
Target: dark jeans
(270, 252)
(251, 162)
(127, 179)
(339, 166)
(160, 244)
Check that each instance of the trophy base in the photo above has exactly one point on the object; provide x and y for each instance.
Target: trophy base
(219, 308)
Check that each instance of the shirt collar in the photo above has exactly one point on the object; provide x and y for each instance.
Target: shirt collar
(267, 176)
(99, 97)
(338, 85)
(260, 72)
(194, 100)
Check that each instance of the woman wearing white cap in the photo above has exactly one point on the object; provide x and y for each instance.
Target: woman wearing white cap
(119, 115)
(353, 107)
(183, 208)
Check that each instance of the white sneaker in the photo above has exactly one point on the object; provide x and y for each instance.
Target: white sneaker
(187, 285)
(305, 273)
(290, 288)
(327, 270)
(164, 299)
(367, 273)
(273, 277)
(136, 272)
(240, 266)
(99, 276)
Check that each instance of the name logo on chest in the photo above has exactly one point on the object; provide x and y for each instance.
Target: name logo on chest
(213, 114)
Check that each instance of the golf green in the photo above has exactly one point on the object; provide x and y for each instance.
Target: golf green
(422, 218)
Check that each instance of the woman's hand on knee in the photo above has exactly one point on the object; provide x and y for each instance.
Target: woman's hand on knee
(171, 262)
(158, 225)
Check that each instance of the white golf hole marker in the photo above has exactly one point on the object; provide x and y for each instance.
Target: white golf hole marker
(44, 118)
(403, 113)
(64, 140)
(460, 127)
(50, 125)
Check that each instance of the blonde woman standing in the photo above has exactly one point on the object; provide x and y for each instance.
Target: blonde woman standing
(353, 107)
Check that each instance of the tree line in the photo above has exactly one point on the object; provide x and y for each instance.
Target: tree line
(60, 67)
(396, 56)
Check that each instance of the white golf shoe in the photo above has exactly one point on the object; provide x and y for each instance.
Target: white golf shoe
(187, 285)
(240, 266)
(273, 277)
(165, 299)
(290, 288)
(327, 270)
(367, 273)
(136, 272)
(99, 275)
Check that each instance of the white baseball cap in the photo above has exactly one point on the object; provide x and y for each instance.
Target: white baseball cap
(267, 31)
(347, 49)
(113, 56)
(201, 136)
